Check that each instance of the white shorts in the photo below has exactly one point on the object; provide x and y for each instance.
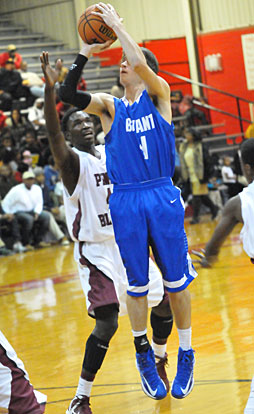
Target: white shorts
(97, 260)
(16, 393)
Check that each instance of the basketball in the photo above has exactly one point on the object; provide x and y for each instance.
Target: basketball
(93, 29)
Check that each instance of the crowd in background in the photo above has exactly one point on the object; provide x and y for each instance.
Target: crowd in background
(31, 193)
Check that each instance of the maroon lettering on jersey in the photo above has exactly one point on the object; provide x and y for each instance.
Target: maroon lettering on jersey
(104, 219)
(101, 178)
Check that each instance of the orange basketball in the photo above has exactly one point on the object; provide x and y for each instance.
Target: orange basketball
(93, 29)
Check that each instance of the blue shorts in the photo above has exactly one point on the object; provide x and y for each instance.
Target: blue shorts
(151, 214)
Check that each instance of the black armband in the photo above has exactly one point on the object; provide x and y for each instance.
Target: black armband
(68, 90)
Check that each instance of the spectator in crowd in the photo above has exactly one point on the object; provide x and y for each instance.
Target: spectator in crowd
(249, 133)
(229, 178)
(18, 124)
(3, 118)
(21, 168)
(11, 53)
(36, 116)
(25, 200)
(214, 192)
(4, 251)
(10, 85)
(7, 180)
(55, 212)
(196, 168)
(175, 98)
(8, 153)
(51, 178)
(62, 70)
(193, 116)
(26, 158)
(10, 221)
(29, 142)
(32, 81)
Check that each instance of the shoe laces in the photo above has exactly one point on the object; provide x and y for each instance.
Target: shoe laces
(185, 365)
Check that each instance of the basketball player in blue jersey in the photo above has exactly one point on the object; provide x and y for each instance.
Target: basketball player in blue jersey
(146, 209)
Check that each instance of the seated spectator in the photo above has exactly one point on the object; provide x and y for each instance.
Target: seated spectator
(36, 116)
(56, 213)
(7, 180)
(25, 201)
(21, 168)
(11, 53)
(18, 124)
(29, 142)
(10, 85)
(4, 251)
(8, 153)
(27, 158)
(62, 70)
(214, 192)
(229, 178)
(32, 81)
(9, 227)
(51, 178)
(175, 98)
(193, 115)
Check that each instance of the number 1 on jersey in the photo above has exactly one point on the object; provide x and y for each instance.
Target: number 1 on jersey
(143, 147)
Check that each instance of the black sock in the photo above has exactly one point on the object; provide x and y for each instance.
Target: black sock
(141, 343)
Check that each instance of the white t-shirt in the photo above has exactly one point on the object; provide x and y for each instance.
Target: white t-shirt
(247, 232)
(20, 198)
(228, 175)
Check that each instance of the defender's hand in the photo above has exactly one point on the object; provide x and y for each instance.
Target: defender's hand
(50, 74)
(204, 261)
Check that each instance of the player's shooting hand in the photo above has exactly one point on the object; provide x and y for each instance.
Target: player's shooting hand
(203, 260)
(87, 50)
(50, 74)
(108, 13)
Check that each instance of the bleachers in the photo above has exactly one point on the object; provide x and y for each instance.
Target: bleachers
(30, 45)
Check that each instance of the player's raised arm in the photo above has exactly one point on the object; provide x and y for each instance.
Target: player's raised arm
(66, 159)
(92, 103)
(133, 53)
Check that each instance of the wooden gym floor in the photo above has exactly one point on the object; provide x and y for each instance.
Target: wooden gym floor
(43, 316)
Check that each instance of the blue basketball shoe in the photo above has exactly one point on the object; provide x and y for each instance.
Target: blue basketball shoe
(151, 383)
(184, 381)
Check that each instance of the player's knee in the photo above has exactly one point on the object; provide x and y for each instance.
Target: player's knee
(161, 325)
(163, 309)
(106, 322)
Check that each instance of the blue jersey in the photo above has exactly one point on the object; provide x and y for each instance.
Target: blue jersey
(140, 145)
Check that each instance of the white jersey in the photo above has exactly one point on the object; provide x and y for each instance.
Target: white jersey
(247, 232)
(87, 212)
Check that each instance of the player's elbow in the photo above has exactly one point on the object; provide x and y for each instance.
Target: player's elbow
(65, 93)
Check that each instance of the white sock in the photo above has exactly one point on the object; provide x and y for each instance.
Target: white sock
(84, 387)
(159, 350)
(139, 333)
(184, 338)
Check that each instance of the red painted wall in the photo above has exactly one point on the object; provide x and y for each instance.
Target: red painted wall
(231, 79)
(172, 56)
